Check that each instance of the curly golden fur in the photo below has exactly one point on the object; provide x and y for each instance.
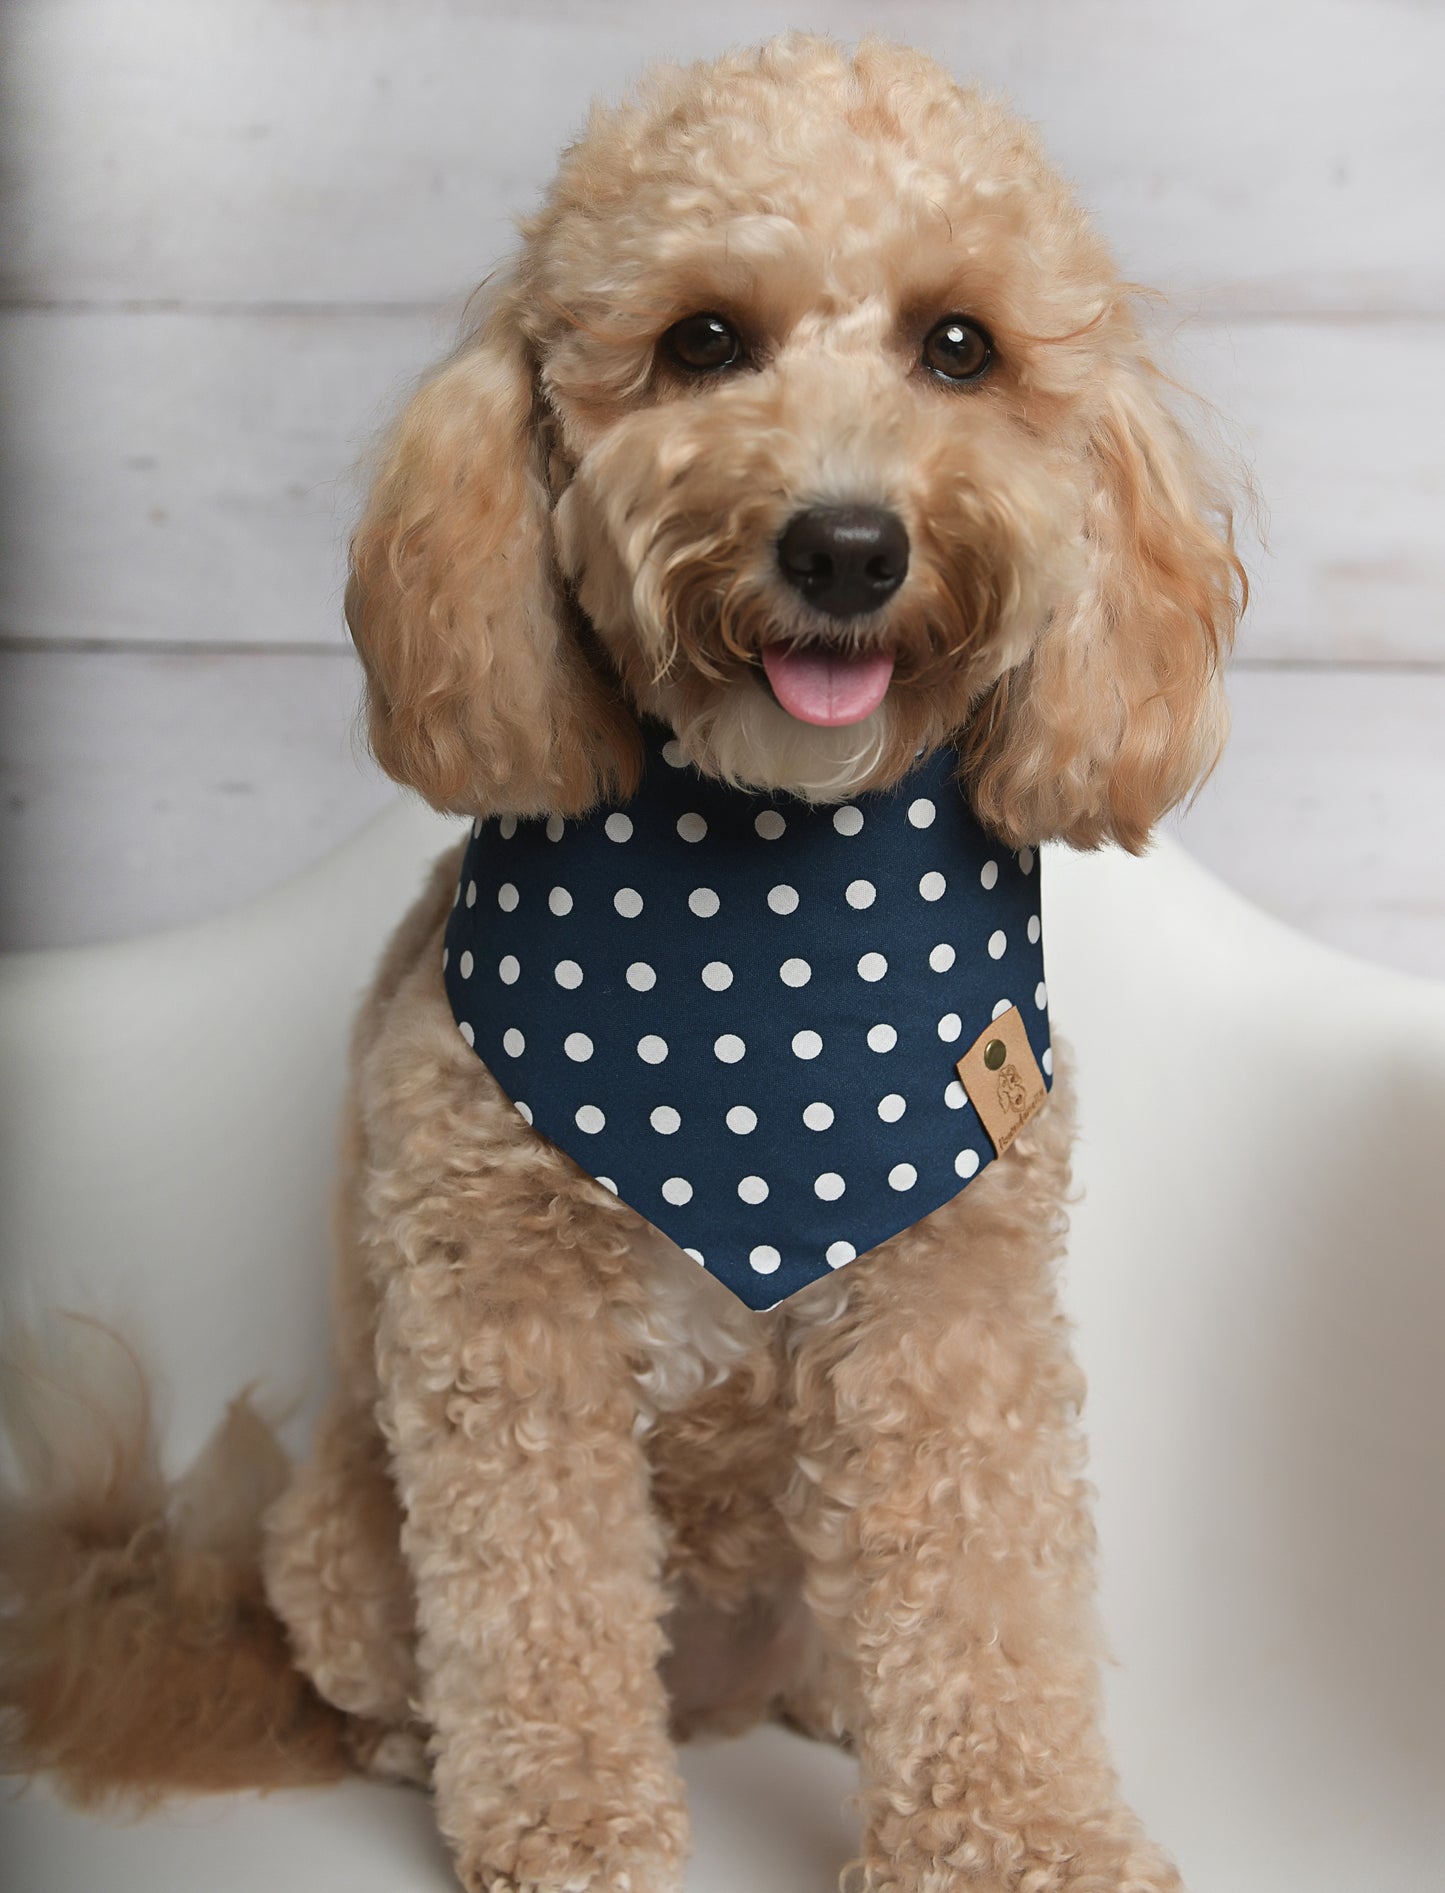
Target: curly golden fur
(571, 1501)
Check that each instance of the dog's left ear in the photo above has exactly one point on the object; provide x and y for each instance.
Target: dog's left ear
(1119, 711)
(481, 694)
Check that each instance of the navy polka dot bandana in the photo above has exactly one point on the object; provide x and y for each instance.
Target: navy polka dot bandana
(741, 1012)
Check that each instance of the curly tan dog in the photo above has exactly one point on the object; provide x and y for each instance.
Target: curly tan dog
(571, 1498)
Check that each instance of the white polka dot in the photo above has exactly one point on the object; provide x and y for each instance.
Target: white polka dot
(782, 898)
(954, 1095)
(665, 1120)
(717, 976)
(590, 1119)
(966, 1163)
(677, 1190)
(764, 1258)
(697, 1256)
(703, 902)
(1026, 860)
(672, 753)
(555, 825)
(840, 1252)
(933, 886)
(950, 1026)
(861, 894)
(872, 966)
(467, 1033)
(640, 977)
(651, 1049)
(1034, 929)
(753, 1190)
(476, 828)
(742, 1120)
(472, 895)
(770, 824)
(446, 952)
(988, 875)
(997, 944)
(795, 972)
(507, 897)
(618, 827)
(513, 1044)
(524, 1111)
(1047, 1061)
(567, 973)
(628, 902)
(465, 965)
(818, 1117)
(507, 827)
(578, 1047)
(847, 820)
(891, 1108)
(607, 1184)
(692, 827)
(560, 901)
(902, 1176)
(829, 1187)
(1041, 995)
(509, 969)
(942, 957)
(881, 1038)
(1003, 1006)
(729, 1048)
(806, 1044)
(921, 812)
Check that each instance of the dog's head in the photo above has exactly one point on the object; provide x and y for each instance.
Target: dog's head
(813, 420)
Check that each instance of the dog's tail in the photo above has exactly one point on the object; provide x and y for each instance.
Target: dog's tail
(138, 1656)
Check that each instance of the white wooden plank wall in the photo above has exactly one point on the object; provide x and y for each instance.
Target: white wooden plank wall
(234, 233)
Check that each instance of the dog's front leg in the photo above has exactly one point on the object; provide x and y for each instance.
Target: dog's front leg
(507, 1403)
(940, 1507)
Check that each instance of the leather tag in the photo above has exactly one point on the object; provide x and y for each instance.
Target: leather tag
(1002, 1078)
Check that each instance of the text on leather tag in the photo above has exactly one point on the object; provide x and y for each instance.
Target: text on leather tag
(1002, 1078)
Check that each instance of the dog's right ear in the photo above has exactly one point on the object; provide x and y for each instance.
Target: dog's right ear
(479, 694)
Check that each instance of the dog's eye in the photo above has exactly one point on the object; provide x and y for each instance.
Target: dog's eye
(957, 349)
(703, 344)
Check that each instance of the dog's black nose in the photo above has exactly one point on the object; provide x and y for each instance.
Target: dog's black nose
(845, 560)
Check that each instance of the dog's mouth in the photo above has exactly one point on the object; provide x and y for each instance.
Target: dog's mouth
(828, 688)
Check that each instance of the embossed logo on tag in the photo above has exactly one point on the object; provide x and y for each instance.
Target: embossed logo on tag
(1002, 1079)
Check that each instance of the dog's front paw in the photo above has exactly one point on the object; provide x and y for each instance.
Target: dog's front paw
(576, 1870)
(603, 1851)
(1076, 1877)
(1063, 1863)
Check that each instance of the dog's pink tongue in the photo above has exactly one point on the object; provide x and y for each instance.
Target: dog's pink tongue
(826, 687)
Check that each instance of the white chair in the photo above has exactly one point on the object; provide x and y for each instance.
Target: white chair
(1256, 1272)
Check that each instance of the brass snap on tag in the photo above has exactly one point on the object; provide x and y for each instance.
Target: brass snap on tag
(994, 1053)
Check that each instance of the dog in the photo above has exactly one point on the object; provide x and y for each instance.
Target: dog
(810, 451)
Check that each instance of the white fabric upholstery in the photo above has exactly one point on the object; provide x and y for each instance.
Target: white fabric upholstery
(1256, 1272)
